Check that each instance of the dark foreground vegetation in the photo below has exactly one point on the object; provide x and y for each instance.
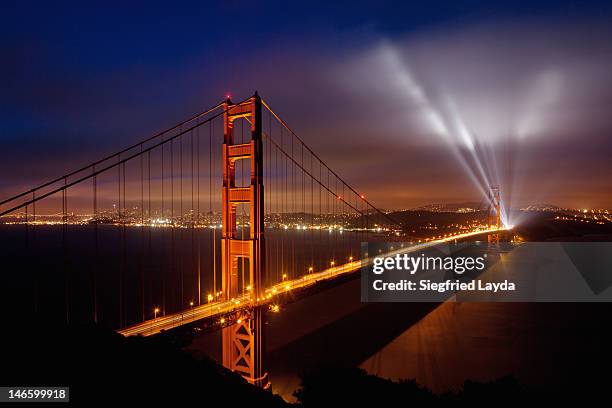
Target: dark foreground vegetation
(336, 386)
(102, 367)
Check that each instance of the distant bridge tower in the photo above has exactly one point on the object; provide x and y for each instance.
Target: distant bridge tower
(494, 212)
(243, 343)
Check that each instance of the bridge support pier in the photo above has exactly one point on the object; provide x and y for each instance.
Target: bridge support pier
(243, 348)
(243, 342)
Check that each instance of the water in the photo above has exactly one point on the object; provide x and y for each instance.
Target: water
(117, 276)
(441, 345)
(53, 275)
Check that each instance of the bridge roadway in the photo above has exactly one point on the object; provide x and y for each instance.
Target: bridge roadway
(218, 309)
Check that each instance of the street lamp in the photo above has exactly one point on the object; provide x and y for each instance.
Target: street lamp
(155, 312)
(209, 297)
(284, 276)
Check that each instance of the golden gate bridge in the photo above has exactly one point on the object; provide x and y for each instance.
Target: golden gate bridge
(249, 217)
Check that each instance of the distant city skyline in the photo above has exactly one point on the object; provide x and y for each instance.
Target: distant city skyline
(424, 105)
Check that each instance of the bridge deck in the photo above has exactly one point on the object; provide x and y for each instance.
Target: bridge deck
(219, 309)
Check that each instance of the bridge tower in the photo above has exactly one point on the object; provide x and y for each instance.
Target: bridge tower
(243, 342)
(494, 212)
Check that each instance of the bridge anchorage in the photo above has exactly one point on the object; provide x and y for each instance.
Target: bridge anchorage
(243, 342)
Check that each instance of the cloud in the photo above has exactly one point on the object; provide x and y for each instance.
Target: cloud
(424, 114)
(493, 96)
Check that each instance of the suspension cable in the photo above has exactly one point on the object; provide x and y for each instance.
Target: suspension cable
(325, 164)
(72, 173)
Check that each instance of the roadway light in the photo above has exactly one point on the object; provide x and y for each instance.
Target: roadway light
(155, 312)
(191, 303)
(209, 297)
(332, 263)
(284, 276)
(310, 269)
(350, 259)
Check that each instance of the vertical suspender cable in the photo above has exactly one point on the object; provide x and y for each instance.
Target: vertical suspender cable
(65, 252)
(182, 222)
(210, 208)
(142, 273)
(119, 241)
(149, 220)
(163, 215)
(172, 222)
(96, 254)
(193, 266)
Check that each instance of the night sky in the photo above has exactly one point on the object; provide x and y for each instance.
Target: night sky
(406, 100)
